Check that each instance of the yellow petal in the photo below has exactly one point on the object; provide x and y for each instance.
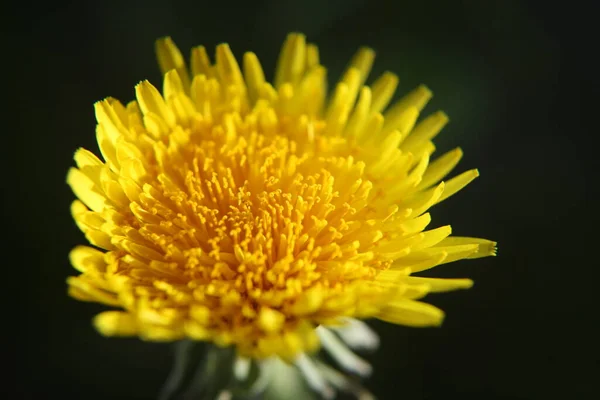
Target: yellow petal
(126, 150)
(312, 56)
(85, 158)
(308, 302)
(422, 201)
(84, 258)
(416, 224)
(151, 101)
(200, 314)
(270, 320)
(116, 323)
(401, 120)
(107, 147)
(411, 313)
(457, 183)
(172, 84)
(170, 58)
(254, 75)
(455, 253)
(440, 285)
(433, 237)
(419, 261)
(424, 259)
(292, 60)
(132, 189)
(383, 89)
(200, 63)
(84, 189)
(92, 291)
(338, 109)
(112, 189)
(196, 331)
(90, 166)
(486, 247)
(415, 291)
(160, 333)
(227, 67)
(440, 167)
(425, 131)
(134, 170)
(362, 61)
(353, 79)
(358, 118)
(111, 114)
(100, 239)
(417, 98)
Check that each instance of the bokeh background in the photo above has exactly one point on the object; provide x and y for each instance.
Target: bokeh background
(513, 77)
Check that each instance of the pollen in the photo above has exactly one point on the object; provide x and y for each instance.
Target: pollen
(248, 214)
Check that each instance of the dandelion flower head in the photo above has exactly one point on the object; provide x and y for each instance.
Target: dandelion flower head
(231, 210)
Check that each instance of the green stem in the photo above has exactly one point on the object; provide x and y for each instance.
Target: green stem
(188, 356)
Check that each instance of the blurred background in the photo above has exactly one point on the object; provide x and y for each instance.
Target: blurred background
(514, 77)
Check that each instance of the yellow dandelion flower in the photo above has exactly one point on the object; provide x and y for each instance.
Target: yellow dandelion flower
(269, 218)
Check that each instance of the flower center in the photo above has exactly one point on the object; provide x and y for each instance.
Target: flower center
(253, 228)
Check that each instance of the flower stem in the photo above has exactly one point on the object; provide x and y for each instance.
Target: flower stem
(187, 356)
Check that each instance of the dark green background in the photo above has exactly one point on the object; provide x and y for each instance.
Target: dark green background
(514, 76)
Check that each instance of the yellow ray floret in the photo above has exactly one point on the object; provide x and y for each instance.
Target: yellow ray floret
(234, 211)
